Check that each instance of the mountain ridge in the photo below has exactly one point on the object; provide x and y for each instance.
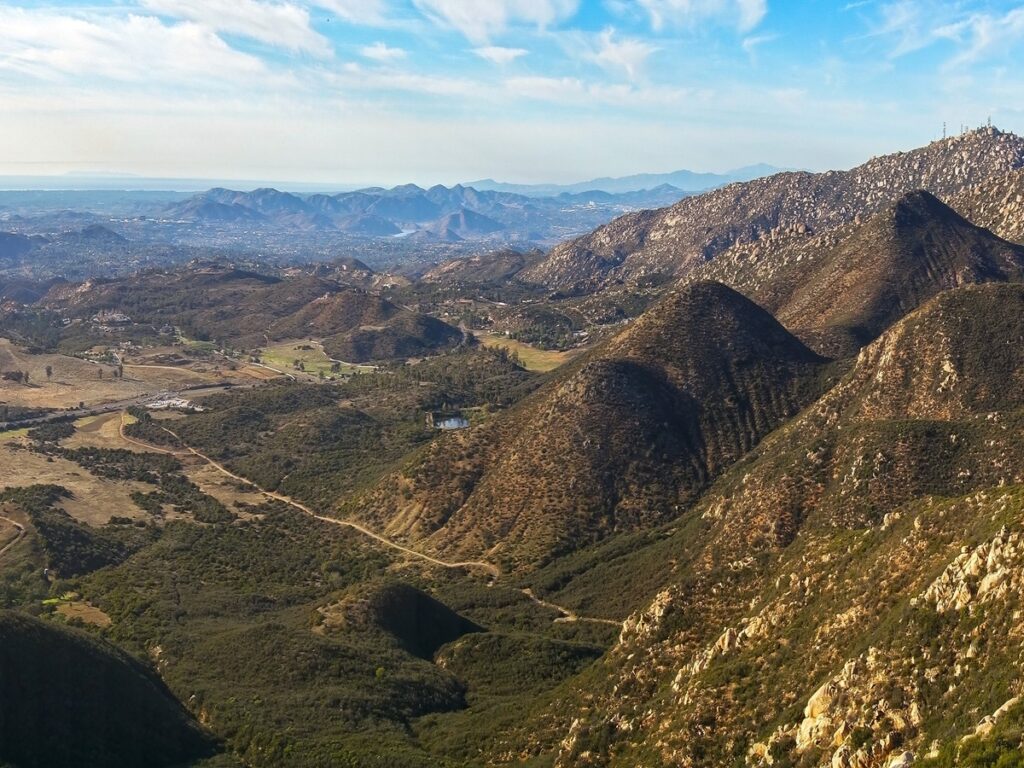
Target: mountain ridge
(666, 244)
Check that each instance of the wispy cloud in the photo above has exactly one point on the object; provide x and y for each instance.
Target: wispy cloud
(745, 15)
(383, 52)
(481, 20)
(499, 55)
(983, 35)
(626, 55)
(357, 11)
(284, 25)
(50, 45)
(751, 43)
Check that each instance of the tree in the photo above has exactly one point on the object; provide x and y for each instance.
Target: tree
(49, 372)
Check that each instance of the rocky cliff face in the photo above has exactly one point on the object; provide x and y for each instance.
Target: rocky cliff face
(996, 204)
(669, 243)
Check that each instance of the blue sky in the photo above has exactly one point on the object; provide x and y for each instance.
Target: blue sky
(388, 91)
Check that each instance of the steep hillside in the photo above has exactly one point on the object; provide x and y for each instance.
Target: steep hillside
(626, 438)
(70, 700)
(848, 593)
(838, 291)
(997, 204)
(660, 245)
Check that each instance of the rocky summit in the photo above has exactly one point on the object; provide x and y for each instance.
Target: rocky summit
(668, 243)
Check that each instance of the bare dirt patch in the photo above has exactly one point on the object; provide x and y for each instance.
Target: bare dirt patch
(226, 490)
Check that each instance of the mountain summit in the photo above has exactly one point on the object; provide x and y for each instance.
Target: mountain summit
(671, 242)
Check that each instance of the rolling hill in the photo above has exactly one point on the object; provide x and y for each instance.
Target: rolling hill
(245, 309)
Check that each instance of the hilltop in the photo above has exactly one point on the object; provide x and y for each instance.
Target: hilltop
(840, 290)
(624, 438)
(669, 243)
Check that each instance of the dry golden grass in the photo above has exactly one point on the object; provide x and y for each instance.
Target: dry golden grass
(94, 500)
(74, 380)
(315, 360)
(532, 358)
(227, 491)
(84, 612)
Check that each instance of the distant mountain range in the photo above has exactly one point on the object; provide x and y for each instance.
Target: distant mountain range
(687, 181)
(439, 214)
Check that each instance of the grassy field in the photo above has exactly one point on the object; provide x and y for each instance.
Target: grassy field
(532, 358)
(72, 380)
(94, 500)
(311, 355)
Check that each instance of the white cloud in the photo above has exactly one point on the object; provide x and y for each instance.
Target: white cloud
(629, 55)
(50, 45)
(382, 52)
(356, 11)
(279, 24)
(571, 91)
(498, 55)
(745, 15)
(982, 35)
(479, 20)
(753, 42)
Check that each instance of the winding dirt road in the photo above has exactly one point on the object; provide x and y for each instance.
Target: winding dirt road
(19, 537)
(565, 614)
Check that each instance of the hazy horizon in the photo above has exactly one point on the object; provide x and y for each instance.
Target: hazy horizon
(361, 92)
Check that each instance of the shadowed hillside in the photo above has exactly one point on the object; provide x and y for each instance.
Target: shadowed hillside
(69, 700)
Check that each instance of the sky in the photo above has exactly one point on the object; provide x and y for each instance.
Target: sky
(441, 91)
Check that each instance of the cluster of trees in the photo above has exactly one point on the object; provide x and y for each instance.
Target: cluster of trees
(18, 377)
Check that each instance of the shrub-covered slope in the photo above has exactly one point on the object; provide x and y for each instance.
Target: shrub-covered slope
(624, 439)
(69, 700)
(850, 591)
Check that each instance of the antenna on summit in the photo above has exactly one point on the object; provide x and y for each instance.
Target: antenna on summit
(943, 130)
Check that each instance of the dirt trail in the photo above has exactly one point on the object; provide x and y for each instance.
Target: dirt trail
(566, 614)
(19, 537)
